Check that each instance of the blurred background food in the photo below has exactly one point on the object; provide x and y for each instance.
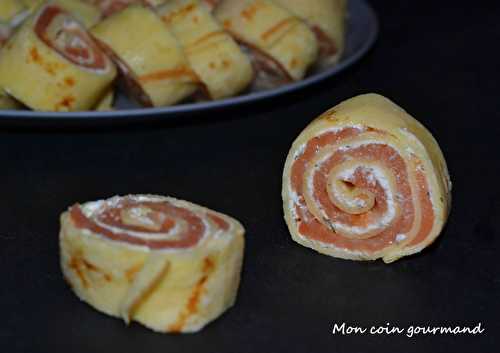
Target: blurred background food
(160, 52)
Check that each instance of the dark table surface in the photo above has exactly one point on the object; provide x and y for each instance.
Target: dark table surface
(436, 59)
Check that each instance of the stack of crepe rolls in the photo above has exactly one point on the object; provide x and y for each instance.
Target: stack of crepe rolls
(168, 264)
(281, 46)
(154, 68)
(327, 19)
(54, 49)
(193, 49)
(364, 181)
(215, 57)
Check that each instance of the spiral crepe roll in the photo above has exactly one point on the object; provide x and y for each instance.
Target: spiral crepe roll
(168, 264)
(152, 62)
(215, 57)
(327, 20)
(52, 49)
(281, 46)
(365, 180)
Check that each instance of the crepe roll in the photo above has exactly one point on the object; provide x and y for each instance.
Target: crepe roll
(215, 57)
(153, 65)
(168, 264)
(327, 19)
(53, 50)
(281, 45)
(364, 181)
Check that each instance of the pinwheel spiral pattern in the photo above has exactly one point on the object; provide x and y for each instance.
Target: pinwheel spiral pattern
(54, 50)
(168, 264)
(61, 32)
(366, 181)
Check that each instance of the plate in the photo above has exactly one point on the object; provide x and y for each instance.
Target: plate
(362, 32)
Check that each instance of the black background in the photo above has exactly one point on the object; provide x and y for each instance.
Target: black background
(439, 60)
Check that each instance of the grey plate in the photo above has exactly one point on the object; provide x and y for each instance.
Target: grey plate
(362, 32)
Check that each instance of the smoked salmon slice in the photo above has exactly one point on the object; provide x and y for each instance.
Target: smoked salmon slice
(168, 264)
(364, 181)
